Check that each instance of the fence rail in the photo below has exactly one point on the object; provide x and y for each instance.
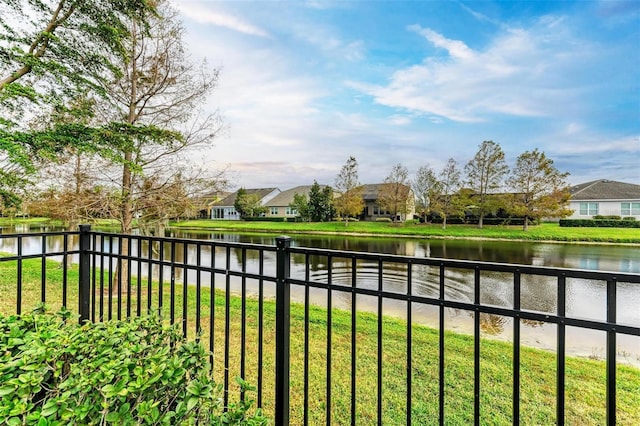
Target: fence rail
(124, 275)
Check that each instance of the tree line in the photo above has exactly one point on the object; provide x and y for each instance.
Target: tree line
(533, 189)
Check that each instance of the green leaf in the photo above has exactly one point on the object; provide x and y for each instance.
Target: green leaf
(14, 421)
(192, 402)
(49, 408)
(113, 417)
(6, 390)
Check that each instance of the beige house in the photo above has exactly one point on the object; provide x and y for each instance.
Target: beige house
(278, 206)
(605, 198)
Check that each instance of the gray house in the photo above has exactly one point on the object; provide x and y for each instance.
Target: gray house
(372, 209)
(605, 198)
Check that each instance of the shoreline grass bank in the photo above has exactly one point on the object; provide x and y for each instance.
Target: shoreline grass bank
(585, 379)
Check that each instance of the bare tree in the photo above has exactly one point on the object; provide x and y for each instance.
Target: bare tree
(540, 190)
(485, 172)
(349, 201)
(161, 90)
(151, 117)
(394, 194)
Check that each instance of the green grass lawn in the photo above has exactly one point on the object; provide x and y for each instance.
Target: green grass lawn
(585, 378)
(544, 231)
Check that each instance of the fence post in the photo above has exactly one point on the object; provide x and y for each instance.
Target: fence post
(84, 284)
(282, 329)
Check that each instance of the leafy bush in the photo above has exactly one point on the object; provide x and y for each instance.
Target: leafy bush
(593, 223)
(603, 217)
(632, 218)
(264, 219)
(383, 219)
(485, 221)
(56, 372)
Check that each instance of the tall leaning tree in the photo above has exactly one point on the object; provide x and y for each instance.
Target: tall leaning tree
(50, 50)
(485, 174)
(539, 188)
(156, 107)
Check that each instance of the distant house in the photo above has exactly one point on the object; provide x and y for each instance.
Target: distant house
(225, 210)
(605, 198)
(205, 202)
(278, 206)
(372, 209)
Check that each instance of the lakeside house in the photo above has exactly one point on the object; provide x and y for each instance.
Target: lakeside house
(206, 202)
(279, 206)
(373, 210)
(225, 210)
(278, 203)
(605, 197)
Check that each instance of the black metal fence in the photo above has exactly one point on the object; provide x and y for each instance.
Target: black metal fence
(237, 298)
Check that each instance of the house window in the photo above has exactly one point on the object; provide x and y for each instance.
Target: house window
(630, 209)
(218, 214)
(588, 209)
(378, 211)
(273, 211)
(290, 211)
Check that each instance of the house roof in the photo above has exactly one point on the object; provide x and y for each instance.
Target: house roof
(604, 189)
(370, 191)
(285, 198)
(230, 199)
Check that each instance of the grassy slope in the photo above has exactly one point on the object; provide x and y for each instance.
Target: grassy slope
(585, 381)
(545, 231)
(542, 232)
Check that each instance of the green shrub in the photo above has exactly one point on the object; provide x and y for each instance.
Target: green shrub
(383, 219)
(485, 221)
(264, 219)
(139, 371)
(605, 217)
(631, 218)
(601, 223)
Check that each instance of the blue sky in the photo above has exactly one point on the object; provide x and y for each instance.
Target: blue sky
(306, 84)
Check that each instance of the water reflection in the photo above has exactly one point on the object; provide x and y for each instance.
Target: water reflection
(622, 258)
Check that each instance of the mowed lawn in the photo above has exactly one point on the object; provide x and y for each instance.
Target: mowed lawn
(542, 232)
(585, 378)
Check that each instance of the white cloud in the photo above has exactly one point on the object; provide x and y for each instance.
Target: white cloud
(573, 128)
(456, 48)
(204, 15)
(332, 46)
(399, 120)
(595, 145)
(524, 73)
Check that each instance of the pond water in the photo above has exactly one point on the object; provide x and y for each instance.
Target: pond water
(585, 299)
